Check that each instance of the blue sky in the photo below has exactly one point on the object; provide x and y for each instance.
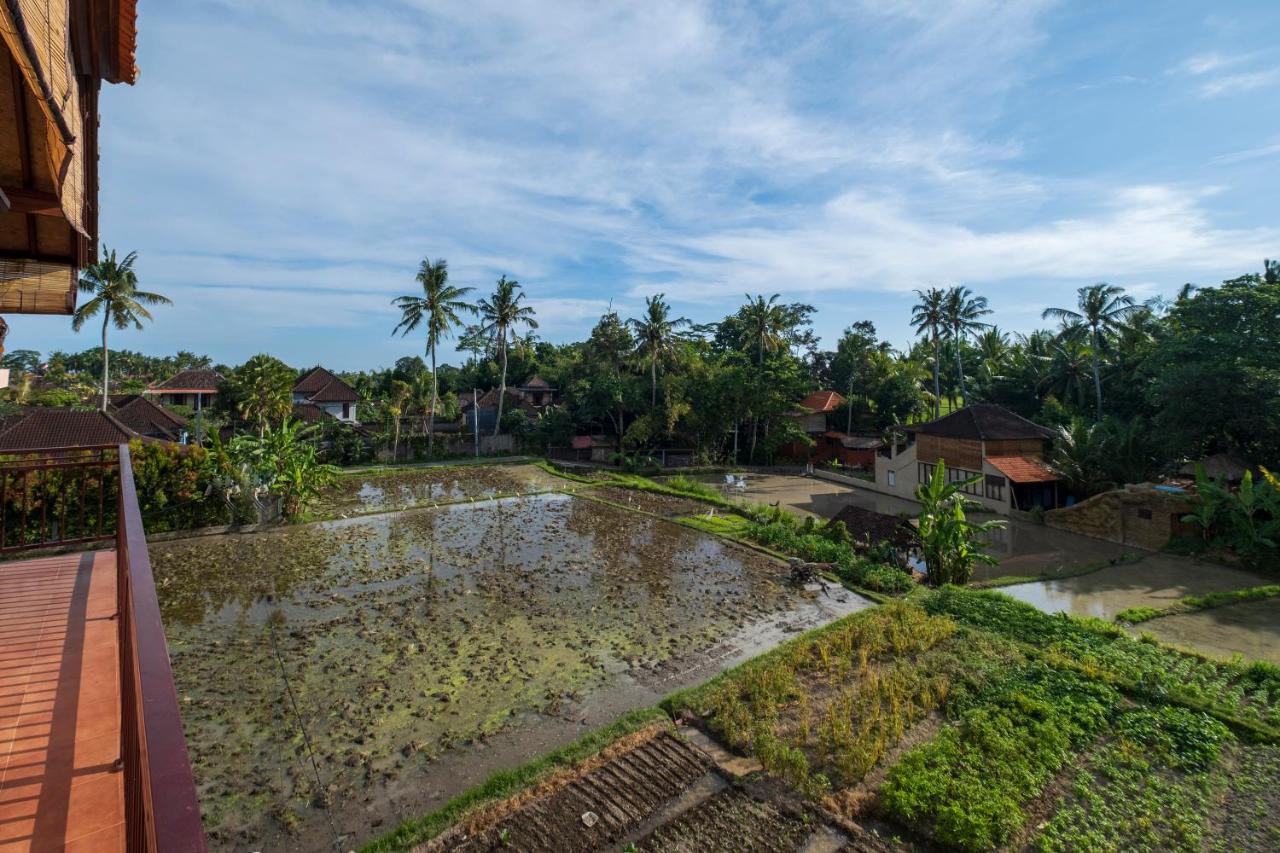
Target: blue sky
(282, 167)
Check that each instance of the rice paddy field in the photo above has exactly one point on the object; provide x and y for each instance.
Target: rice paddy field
(341, 676)
(954, 720)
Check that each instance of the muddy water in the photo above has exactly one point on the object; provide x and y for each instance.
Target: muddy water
(1156, 580)
(1251, 629)
(383, 491)
(426, 649)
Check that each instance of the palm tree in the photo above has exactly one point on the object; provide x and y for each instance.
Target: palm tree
(114, 286)
(438, 306)
(929, 317)
(501, 314)
(962, 312)
(655, 335)
(1101, 308)
(262, 389)
(765, 324)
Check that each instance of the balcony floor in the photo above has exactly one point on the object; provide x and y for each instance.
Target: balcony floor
(60, 705)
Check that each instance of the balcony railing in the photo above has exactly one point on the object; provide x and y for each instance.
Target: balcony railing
(59, 498)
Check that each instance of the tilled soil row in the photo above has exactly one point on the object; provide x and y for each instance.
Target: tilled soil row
(603, 805)
(729, 822)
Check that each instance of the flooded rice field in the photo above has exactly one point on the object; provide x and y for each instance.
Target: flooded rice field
(1251, 629)
(1155, 580)
(383, 490)
(338, 677)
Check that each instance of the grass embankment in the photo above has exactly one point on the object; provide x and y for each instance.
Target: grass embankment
(1074, 572)
(508, 782)
(1191, 603)
(1045, 731)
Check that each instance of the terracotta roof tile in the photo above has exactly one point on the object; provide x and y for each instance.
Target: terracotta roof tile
(200, 379)
(821, 402)
(45, 428)
(1023, 469)
(145, 417)
(323, 386)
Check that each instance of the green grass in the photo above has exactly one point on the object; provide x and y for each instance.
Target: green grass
(1086, 569)
(1135, 615)
(1150, 788)
(508, 782)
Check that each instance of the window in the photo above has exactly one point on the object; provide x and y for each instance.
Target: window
(346, 411)
(893, 478)
(993, 487)
(1144, 514)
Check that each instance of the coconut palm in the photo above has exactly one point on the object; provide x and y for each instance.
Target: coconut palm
(501, 315)
(928, 317)
(114, 286)
(1101, 308)
(656, 333)
(962, 311)
(765, 324)
(438, 306)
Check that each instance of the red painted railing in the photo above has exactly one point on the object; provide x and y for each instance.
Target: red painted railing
(162, 814)
(58, 496)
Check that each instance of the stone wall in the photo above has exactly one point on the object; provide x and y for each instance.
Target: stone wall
(1136, 515)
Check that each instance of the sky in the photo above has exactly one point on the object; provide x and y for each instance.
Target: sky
(282, 167)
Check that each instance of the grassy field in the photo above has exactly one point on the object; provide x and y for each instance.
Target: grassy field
(968, 720)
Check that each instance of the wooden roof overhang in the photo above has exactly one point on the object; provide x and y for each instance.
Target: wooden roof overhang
(56, 53)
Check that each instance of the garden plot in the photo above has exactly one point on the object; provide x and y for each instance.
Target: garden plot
(426, 649)
(391, 489)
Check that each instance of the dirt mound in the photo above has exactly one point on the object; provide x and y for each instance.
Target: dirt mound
(730, 821)
(601, 806)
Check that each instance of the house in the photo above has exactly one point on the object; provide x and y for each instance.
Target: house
(537, 392)
(194, 388)
(815, 416)
(147, 418)
(326, 391)
(481, 413)
(1005, 449)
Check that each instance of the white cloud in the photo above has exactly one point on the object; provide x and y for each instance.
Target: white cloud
(1230, 84)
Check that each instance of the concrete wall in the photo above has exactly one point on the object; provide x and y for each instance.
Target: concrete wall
(1136, 515)
(906, 477)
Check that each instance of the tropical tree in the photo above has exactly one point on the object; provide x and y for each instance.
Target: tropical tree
(284, 461)
(502, 315)
(962, 312)
(114, 286)
(438, 307)
(1101, 308)
(400, 392)
(950, 544)
(656, 334)
(259, 391)
(929, 318)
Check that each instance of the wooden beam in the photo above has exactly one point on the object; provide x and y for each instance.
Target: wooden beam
(37, 202)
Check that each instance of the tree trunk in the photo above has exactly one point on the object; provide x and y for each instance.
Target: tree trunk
(937, 375)
(106, 354)
(653, 373)
(964, 397)
(435, 393)
(502, 387)
(1097, 376)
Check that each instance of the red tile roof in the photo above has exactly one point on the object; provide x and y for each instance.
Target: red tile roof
(145, 417)
(821, 402)
(323, 386)
(1023, 469)
(47, 428)
(199, 380)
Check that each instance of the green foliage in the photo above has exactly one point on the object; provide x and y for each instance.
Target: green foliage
(1244, 520)
(949, 542)
(1134, 615)
(260, 391)
(284, 462)
(1235, 693)
(971, 782)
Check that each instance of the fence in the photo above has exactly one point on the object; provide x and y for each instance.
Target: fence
(58, 497)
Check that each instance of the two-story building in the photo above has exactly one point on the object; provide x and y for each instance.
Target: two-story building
(193, 388)
(326, 391)
(1005, 450)
(816, 415)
